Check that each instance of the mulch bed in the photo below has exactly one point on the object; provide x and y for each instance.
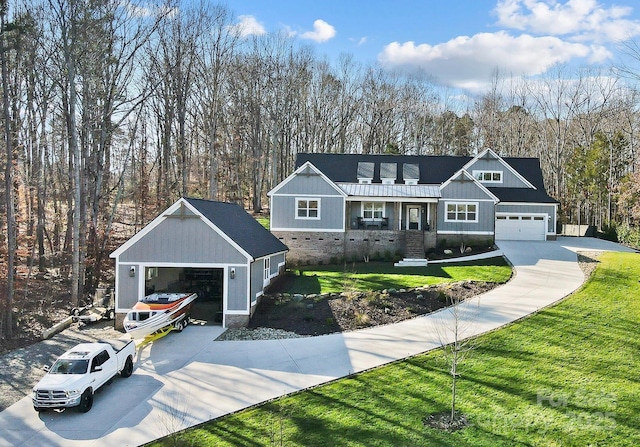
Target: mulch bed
(329, 313)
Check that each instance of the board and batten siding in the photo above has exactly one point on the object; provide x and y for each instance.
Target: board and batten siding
(182, 240)
(531, 209)
(127, 291)
(284, 208)
(509, 179)
(237, 290)
(466, 191)
(257, 278)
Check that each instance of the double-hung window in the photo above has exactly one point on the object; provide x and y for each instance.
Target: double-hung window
(267, 270)
(372, 210)
(307, 208)
(461, 212)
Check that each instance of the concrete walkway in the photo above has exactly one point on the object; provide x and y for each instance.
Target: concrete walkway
(188, 378)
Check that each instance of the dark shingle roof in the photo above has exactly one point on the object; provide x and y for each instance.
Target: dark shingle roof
(434, 169)
(236, 223)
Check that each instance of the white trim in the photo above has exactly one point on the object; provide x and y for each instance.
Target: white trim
(388, 181)
(310, 230)
(165, 215)
(298, 171)
(504, 163)
(298, 195)
(487, 171)
(365, 180)
(470, 177)
(487, 233)
(373, 218)
(308, 208)
(236, 312)
(528, 204)
(461, 202)
(393, 199)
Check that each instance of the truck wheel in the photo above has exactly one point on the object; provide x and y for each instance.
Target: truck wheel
(86, 401)
(128, 368)
(110, 314)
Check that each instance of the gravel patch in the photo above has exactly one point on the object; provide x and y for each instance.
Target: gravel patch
(261, 333)
(588, 261)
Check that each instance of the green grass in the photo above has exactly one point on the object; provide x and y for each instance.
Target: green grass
(583, 353)
(380, 276)
(264, 221)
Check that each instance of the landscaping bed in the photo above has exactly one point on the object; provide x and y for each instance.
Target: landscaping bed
(315, 314)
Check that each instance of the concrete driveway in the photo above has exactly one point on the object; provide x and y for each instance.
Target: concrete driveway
(187, 378)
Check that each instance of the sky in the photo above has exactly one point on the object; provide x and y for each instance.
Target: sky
(460, 43)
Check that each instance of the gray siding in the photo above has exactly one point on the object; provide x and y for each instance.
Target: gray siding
(275, 260)
(127, 293)
(509, 180)
(283, 213)
(531, 209)
(486, 218)
(257, 271)
(237, 288)
(463, 190)
(178, 240)
(308, 184)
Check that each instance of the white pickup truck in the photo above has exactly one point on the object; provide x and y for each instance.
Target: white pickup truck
(79, 372)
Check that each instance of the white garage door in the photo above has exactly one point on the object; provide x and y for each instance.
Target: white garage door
(524, 227)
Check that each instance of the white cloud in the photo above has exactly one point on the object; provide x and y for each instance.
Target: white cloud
(579, 20)
(322, 32)
(469, 62)
(249, 26)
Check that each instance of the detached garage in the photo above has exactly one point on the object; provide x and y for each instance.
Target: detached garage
(215, 249)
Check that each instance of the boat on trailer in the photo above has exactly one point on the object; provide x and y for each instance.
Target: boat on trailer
(159, 312)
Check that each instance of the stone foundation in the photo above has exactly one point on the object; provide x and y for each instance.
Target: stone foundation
(234, 321)
(353, 245)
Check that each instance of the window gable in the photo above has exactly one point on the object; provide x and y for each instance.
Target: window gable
(488, 176)
(308, 208)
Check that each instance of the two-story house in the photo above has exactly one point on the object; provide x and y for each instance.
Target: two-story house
(352, 205)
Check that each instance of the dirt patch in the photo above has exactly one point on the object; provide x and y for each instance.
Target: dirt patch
(329, 313)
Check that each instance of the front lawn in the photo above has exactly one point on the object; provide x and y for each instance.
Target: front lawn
(383, 275)
(567, 376)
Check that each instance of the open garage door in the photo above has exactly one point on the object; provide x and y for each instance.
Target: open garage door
(206, 282)
(521, 227)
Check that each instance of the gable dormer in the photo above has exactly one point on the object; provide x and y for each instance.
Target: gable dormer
(489, 169)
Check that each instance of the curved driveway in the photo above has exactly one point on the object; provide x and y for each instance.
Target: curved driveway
(188, 378)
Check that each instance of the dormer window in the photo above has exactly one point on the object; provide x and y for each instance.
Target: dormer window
(365, 172)
(410, 173)
(388, 173)
(488, 176)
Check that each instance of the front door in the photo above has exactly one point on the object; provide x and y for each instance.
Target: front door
(414, 222)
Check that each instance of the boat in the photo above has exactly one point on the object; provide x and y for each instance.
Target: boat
(158, 311)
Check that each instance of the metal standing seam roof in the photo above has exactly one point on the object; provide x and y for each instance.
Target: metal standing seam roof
(395, 190)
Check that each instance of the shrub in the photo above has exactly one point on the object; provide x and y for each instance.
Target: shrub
(362, 319)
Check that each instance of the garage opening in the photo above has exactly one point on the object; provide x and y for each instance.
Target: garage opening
(206, 282)
(521, 227)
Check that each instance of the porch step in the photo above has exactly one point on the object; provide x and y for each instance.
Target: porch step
(412, 262)
(414, 245)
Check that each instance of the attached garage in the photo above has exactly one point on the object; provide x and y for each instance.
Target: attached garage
(521, 227)
(214, 249)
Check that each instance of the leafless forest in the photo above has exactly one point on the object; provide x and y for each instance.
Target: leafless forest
(111, 111)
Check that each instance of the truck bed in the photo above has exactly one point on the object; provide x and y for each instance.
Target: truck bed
(118, 344)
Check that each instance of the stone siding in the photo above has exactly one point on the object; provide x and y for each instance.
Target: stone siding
(319, 247)
(235, 321)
